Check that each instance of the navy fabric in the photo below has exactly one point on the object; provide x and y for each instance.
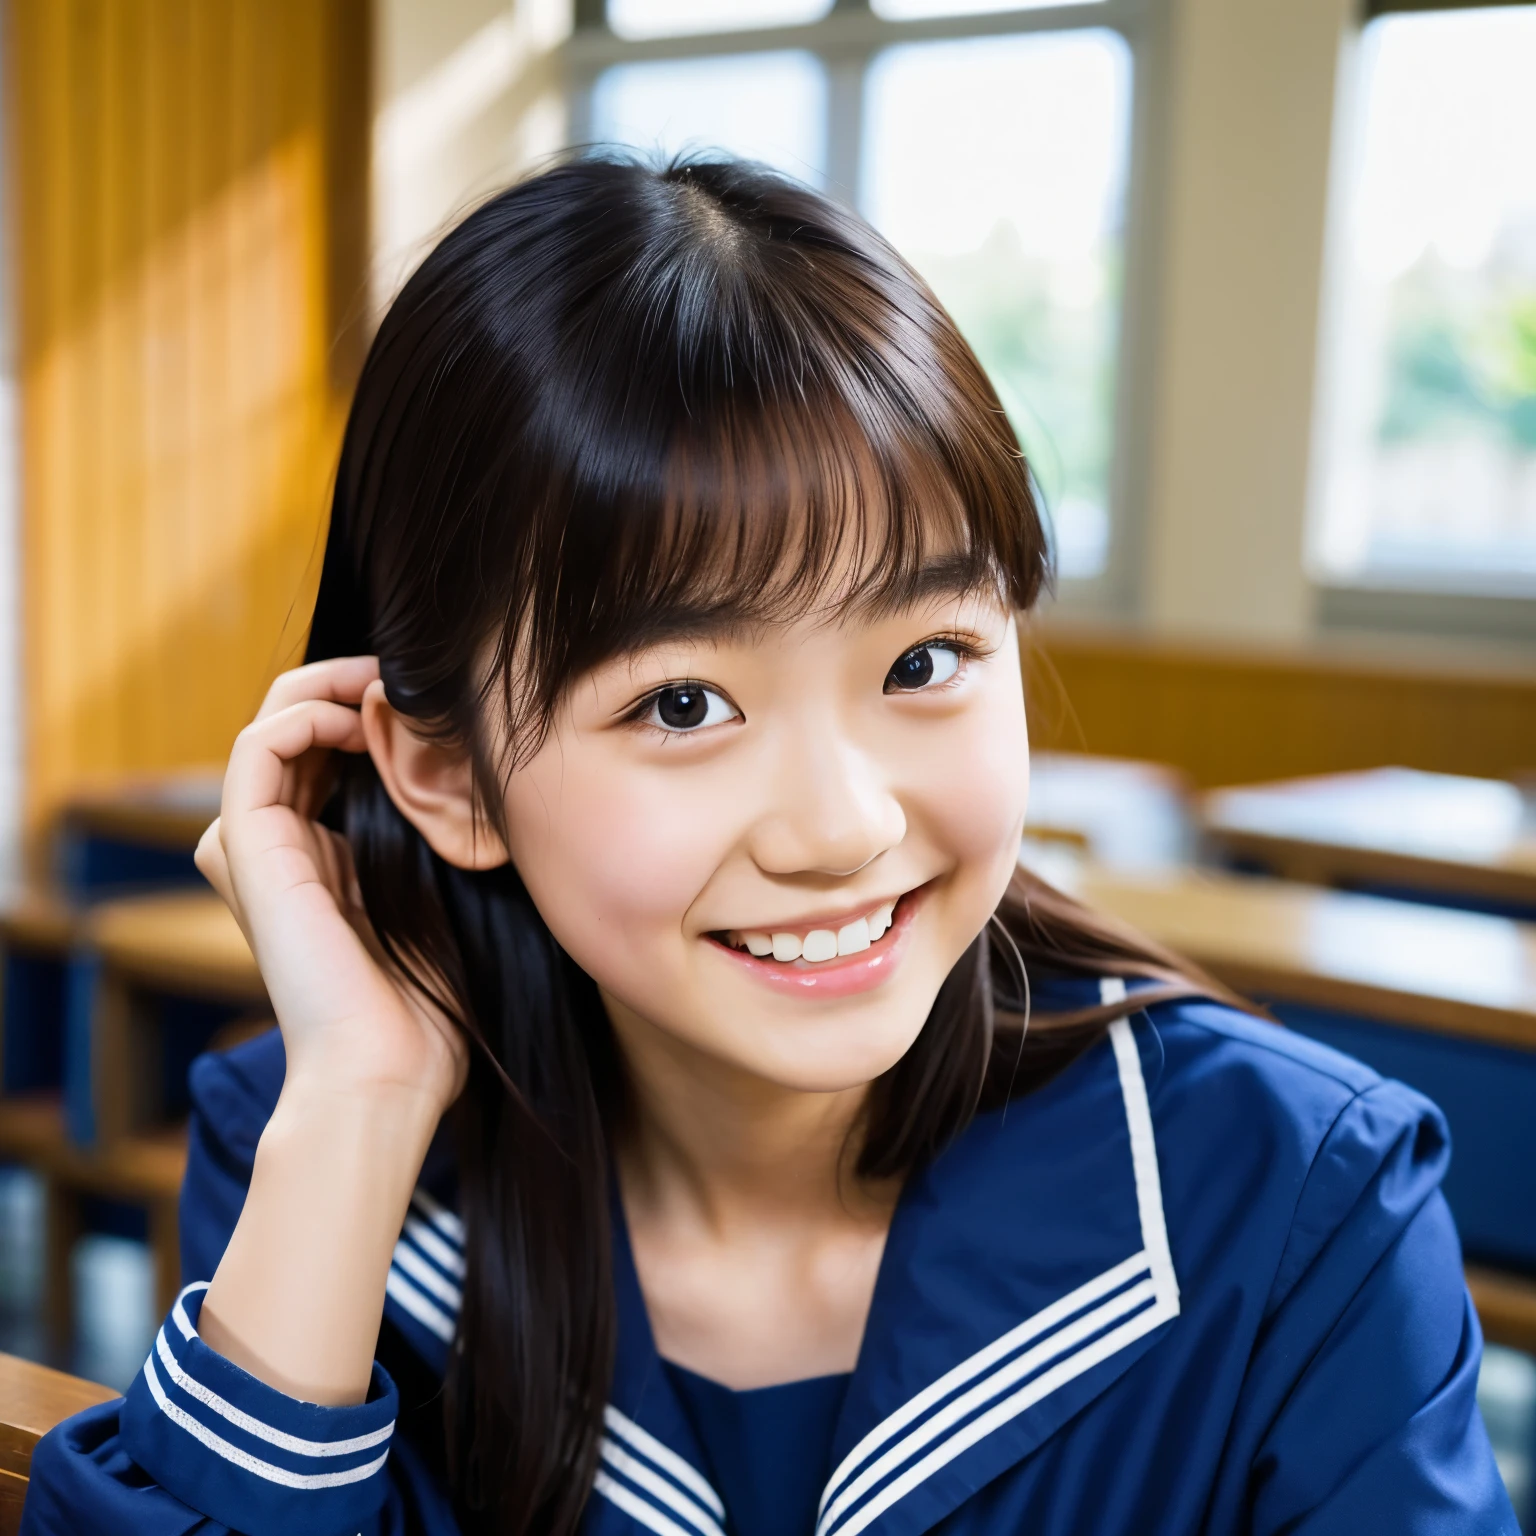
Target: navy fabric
(1202, 1282)
(768, 1449)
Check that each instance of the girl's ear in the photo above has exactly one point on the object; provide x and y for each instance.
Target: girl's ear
(432, 786)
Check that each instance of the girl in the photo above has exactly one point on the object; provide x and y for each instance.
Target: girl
(686, 1117)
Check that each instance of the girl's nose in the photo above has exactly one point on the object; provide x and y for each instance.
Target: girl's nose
(832, 814)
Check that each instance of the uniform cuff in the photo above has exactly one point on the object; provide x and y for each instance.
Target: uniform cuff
(244, 1454)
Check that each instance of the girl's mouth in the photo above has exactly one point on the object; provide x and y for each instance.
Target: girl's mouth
(828, 961)
(816, 945)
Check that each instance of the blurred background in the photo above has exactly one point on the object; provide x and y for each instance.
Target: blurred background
(1256, 284)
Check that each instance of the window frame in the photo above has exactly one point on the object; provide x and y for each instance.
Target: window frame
(1371, 603)
(846, 41)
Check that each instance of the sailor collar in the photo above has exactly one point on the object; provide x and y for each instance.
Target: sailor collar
(1027, 1268)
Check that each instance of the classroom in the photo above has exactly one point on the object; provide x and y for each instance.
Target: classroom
(1251, 284)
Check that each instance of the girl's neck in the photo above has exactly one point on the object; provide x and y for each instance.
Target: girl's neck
(736, 1148)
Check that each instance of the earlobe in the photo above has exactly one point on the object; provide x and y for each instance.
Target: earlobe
(432, 786)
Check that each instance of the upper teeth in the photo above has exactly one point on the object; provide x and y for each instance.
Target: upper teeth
(821, 943)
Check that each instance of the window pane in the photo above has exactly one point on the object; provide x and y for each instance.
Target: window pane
(672, 18)
(997, 166)
(910, 10)
(765, 106)
(1428, 458)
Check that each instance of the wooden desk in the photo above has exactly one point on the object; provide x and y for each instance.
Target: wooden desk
(183, 941)
(134, 834)
(32, 1400)
(1388, 827)
(1433, 968)
(168, 812)
(182, 944)
(1126, 814)
(1442, 999)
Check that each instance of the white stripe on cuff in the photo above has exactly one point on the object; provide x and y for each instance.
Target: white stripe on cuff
(308, 1481)
(253, 1426)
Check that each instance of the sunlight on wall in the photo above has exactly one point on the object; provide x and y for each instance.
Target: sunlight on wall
(490, 104)
(177, 447)
(189, 271)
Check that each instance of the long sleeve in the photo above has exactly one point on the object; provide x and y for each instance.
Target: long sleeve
(199, 1445)
(1368, 1369)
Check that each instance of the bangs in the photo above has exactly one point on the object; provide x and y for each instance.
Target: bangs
(768, 516)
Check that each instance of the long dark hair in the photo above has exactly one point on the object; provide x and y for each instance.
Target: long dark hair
(617, 398)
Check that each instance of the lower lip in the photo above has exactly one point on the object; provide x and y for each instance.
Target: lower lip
(845, 975)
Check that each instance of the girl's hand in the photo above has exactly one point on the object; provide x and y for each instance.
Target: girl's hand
(350, 1021)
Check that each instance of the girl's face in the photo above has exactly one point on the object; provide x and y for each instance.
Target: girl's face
(710, 818)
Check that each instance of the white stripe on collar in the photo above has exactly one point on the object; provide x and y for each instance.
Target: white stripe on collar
(1069, 1332)
(658, 1480)
(427, 1268)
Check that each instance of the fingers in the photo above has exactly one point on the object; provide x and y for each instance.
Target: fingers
(259, 767)
(341, 680)
(211, 862)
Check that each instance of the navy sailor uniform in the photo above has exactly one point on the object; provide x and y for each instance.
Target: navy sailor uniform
(1203, 1281)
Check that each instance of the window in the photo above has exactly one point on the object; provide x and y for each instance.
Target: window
(675, 18)
(1427, 444)
(765, 106)
(987, 140)
(997, 167)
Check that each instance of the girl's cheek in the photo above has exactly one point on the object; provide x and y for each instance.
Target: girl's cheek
(613, 860)
(976, 788)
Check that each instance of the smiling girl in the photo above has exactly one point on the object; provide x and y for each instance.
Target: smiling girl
(686, 1117)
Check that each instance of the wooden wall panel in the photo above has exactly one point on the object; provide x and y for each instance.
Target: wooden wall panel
(189, 216)
(1232, 717)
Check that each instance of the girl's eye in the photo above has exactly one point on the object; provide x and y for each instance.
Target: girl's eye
(923, 666)
(687, 707)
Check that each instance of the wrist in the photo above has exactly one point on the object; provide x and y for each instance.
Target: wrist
(375, 1137)
(318, 1083)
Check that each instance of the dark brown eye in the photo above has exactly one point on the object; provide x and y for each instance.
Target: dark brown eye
(922, 665)
(682, 708)
(688, 706)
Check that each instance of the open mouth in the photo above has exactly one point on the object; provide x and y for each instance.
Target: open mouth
(815, 946)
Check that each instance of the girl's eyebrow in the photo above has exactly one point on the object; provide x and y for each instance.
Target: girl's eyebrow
(955, 577)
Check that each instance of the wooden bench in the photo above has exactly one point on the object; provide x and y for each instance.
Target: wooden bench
(1461, 840)
(32, 1400)
(1443, 999)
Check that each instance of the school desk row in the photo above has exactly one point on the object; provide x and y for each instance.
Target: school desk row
(1445, 838)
